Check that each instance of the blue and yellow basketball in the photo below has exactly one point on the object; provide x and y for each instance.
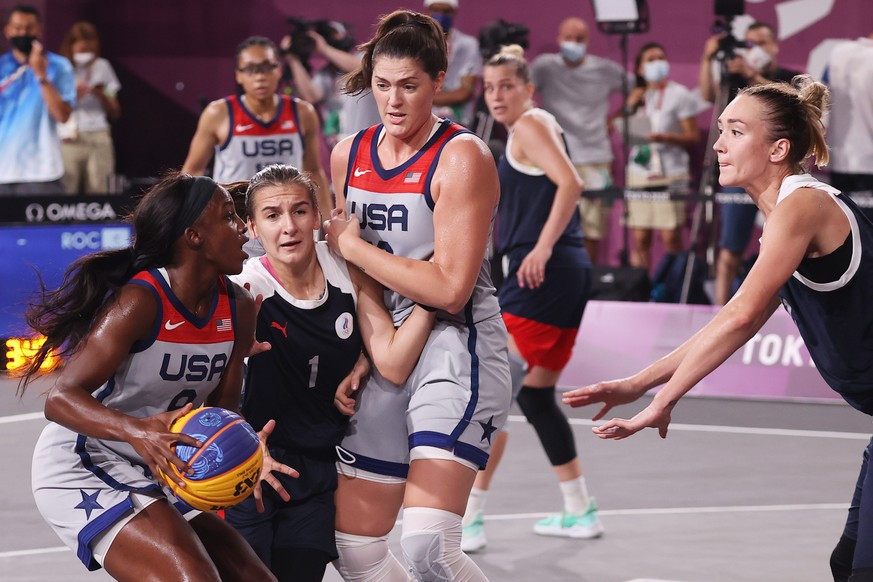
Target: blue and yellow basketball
(226, 468)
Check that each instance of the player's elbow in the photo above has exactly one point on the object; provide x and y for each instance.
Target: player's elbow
(396, 374)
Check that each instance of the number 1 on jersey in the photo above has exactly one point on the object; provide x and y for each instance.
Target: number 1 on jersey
(313, 371)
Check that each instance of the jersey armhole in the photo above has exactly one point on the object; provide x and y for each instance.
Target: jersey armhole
(230, 123)
(145, 343)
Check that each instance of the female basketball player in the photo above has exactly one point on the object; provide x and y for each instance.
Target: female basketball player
(816, 258)
(150, 331)
(546, 287)
(317, 316)
(423, 192)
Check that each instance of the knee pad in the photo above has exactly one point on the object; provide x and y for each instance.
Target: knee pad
(367, 559)
(431, 543)
(553, 429)
(517, 372)
(841, 559)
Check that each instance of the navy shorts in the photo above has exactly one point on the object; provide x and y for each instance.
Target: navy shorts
(737, 222)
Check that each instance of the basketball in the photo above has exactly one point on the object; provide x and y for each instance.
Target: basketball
(226, 468)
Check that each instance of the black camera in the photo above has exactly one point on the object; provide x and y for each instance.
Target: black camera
(302, 45)
(500, 33)
(725, 12)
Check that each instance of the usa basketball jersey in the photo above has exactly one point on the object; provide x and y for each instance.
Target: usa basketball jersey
(315, 344)
(253, 144)
(182, 362)
(83, 485)
(395, 210)
(835, 317)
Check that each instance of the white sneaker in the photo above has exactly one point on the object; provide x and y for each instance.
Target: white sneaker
(473, 535)
(584, 525)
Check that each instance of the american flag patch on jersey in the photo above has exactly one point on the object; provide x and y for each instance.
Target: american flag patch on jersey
(412, 177)
(223, 324)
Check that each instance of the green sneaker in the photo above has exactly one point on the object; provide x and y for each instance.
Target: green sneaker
(568, 525)
(473, 535)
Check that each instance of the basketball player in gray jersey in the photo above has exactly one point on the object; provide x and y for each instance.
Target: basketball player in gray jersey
(424, 192)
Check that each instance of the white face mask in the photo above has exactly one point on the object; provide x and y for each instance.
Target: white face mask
(83, 58)
(655, 71)
(757, 58)
(573, 51)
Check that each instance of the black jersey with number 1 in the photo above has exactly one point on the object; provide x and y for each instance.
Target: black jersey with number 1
(315, 344)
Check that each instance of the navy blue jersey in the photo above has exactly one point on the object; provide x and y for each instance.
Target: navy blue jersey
(526, 198)
(315, 344)
(835, 318)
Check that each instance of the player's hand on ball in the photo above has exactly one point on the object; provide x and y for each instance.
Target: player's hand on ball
(271, 465)
(152, 439)
(618, 428)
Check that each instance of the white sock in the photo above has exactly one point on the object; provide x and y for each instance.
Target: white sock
(575, 495)
(475, 504)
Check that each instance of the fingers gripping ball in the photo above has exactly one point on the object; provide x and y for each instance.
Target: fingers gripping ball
(226, 468)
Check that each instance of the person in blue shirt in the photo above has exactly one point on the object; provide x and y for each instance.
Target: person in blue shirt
(37, 90)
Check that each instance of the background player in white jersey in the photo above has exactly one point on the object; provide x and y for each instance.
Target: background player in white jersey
(317, 316)
(423, 191)
(816, 259)
(130, 373)
(258, 127)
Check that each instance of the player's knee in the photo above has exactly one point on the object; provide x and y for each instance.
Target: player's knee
(431, 543)
(362, 558)
(553, 429)
(841, 559)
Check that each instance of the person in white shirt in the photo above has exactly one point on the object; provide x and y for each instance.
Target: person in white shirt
(86, 139)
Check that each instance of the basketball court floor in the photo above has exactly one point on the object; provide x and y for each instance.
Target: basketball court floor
(740, 491)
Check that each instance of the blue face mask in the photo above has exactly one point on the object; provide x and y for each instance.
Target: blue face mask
(444, 20)
(656, 71)
(573, 51)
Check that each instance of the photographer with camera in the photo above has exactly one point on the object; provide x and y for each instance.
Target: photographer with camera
(343, 114)
(257, 127)
(37, 90)
(729, 65)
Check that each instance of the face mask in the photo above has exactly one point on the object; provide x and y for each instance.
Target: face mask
(22, 43)
(83, 58)
(573, 51)
(757, 58)
(656, 71)
(444, 20)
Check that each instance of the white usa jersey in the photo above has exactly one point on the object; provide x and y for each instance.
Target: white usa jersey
(253, 144)
(395, 210)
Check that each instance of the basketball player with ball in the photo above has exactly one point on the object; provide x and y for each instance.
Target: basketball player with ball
(148, 333)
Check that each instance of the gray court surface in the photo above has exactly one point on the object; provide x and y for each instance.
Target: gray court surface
(739, 491)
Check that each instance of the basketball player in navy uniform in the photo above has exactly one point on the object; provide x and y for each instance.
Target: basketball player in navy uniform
(150, 331)
(816, 260)
(422, 193)
(318, 316)
(548, 278)
(258, 127)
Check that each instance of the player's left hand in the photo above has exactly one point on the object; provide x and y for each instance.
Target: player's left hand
(256, 347)
(344, 398)
(270, 466)
(532, 271)
(338, 227)
(619, 428)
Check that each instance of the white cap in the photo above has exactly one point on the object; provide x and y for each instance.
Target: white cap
(452, 3)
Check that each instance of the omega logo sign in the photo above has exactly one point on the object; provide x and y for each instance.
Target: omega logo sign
(56, 212)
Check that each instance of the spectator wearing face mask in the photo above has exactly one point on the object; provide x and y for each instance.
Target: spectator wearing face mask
(89, 155)
(754, 65)
(458, 96)
(575, 87)
(37, 91)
